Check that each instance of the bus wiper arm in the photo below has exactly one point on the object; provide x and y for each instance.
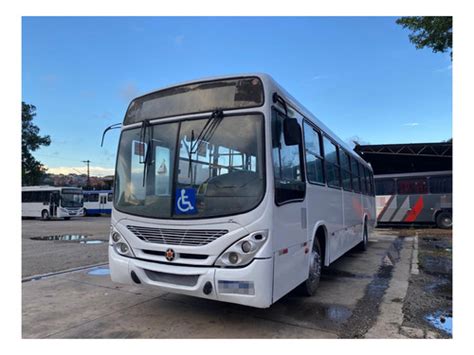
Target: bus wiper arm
(146, 134)
(205, 135)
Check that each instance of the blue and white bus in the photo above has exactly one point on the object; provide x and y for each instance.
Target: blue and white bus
(97, 202)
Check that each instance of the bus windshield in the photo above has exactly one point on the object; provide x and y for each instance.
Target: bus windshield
(191, 175)
(72, 198)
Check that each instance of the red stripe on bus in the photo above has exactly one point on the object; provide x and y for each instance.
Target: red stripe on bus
(415, 211)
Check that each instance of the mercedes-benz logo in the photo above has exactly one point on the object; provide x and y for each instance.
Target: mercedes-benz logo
(169, 254)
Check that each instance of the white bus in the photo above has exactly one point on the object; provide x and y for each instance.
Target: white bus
(51, 202)
(229, 189)
(97, 202)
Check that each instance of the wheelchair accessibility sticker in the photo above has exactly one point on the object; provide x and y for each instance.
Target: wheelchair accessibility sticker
(185, 202)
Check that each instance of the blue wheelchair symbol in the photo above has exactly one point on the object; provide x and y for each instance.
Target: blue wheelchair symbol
(185, 201)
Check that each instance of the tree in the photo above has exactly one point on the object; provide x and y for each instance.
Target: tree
(435, 32)
(31, 169)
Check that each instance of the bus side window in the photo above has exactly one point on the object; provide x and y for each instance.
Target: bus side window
(385, 187)
(355, 175)
(314, 158)
(110, 197)
(412, 186)
(331, 160)
(441, 184)
(289, 183)
(363, 181)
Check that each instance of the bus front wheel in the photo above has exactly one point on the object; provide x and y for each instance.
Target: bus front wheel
(310, 286)
(45, 215)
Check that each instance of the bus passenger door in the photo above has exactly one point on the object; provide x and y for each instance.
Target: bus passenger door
(289, 233)
(102, 203)
(53, 203)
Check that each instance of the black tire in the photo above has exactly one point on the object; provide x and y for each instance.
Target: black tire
(444, 220)
(309, 287)
(45, 215)
(85, 212)
(362, 246)
(67, 218)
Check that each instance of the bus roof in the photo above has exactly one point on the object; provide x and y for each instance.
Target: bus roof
(421, 174)
(269, 82)
(47, 187)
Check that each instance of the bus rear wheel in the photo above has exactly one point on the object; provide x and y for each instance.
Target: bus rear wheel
(310, 286)
(45, 215)
(362, 246)
(444, 220)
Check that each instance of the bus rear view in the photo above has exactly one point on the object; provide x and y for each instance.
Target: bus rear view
(194, 198)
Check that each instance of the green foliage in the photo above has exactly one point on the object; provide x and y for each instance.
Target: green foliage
(435, 32)
(31, 169)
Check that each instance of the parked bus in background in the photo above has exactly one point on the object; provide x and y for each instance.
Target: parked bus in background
(229, 189)
(415, 198)
(51, 202)
(97, 202)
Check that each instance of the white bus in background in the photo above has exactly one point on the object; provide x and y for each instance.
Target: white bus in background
(97, 202)
(229, 189)
(51, 202)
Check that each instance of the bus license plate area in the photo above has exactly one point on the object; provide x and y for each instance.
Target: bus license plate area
(236, 287)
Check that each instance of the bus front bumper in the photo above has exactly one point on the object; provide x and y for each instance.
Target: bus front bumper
(250, 285)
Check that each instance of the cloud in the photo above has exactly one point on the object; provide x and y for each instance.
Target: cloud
(440, 70)
(94, 170)
(129, 91)
(318, 77)
(178, 40)
(411, 124)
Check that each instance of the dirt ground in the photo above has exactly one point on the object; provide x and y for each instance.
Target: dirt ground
(429, 302)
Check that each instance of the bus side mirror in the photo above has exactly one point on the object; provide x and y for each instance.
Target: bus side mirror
(291, 131)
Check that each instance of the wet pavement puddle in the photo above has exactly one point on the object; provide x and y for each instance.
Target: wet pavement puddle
(99, 271)
(441, 321)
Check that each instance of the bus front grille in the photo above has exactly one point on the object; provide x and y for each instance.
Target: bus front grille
(181, 280)
(190, 237)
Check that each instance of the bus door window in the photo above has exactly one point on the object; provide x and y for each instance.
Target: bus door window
(53, 203)
(287, 167)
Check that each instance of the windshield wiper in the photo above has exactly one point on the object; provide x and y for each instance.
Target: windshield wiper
(145, 134)
(204, 136)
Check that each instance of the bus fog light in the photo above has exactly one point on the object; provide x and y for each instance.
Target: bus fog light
(233, 258)
(116, 237)
(246, 246)
(123, 248)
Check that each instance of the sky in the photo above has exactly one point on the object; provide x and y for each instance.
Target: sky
(359, 75)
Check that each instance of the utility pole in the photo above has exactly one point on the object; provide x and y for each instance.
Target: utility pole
(88, 173)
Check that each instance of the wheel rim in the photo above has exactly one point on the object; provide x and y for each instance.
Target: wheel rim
(447, 221)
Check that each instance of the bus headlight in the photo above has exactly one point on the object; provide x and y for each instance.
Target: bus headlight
(243, 251)
(120, 245)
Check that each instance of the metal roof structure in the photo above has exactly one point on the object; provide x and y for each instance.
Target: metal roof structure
(407, 158)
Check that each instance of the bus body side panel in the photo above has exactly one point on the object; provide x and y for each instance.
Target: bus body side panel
(353, 219)
(290, 259)
(419, 208)
(325, 204)
(33, 209)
